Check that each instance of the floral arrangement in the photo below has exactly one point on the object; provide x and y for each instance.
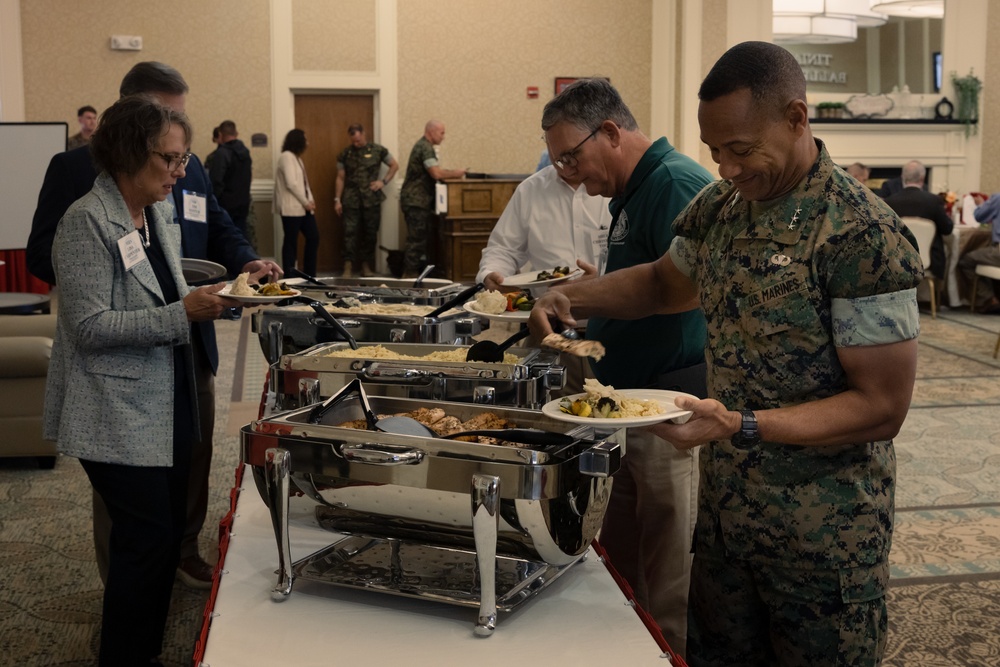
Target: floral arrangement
(949, 198)
(967, 88)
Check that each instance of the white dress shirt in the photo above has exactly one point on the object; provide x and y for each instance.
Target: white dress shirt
(547, 223)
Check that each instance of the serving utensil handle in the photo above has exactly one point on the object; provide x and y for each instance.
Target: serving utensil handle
(457, 300)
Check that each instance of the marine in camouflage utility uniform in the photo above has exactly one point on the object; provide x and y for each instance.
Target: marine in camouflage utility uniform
(797, 535)
(417, 200)
(362, 206)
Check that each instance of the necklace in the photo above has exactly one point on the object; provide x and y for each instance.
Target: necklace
(145, 228)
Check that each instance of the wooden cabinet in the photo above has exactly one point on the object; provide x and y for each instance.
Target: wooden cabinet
(474, 206)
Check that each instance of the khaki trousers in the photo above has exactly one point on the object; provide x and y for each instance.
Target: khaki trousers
(649, 526)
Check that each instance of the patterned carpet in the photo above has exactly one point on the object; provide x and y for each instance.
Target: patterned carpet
(944, 601)
(50, 595)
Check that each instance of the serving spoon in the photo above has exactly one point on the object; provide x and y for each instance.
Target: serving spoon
(491, 352)
(423, 274)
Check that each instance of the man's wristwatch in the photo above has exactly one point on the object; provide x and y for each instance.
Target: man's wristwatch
(747, 436)
(336, 199)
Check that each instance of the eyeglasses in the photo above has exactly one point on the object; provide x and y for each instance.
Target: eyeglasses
(174, 161)
(568, 159)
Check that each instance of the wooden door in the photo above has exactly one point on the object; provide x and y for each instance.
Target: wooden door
(325, 119)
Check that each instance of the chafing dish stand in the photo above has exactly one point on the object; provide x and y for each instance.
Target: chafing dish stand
(487, 526)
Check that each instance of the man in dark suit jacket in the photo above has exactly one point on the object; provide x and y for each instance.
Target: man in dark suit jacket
(207, 232)
(914, 200)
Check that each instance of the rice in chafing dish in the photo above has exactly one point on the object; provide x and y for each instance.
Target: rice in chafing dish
(381, 352)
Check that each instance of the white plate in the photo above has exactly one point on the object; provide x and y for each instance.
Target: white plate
(529, 279)
(664, 397)
(201, 270)
(257, 298)
(507, 316)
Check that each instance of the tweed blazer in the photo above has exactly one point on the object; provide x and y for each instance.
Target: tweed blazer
(109, 396)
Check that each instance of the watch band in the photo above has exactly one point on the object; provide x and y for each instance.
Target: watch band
(748, 435)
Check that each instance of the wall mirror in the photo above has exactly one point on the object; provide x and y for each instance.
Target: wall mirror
(903, 51)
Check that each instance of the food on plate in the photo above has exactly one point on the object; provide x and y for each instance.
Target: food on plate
(604, 402)
(275, 289)
(491, 301)
(443, 424)
(558, 272)
(579, 347)
(519, 301)
(382, 352)
(240, 287)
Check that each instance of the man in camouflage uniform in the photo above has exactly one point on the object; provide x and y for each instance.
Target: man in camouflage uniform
(809, 291)
(359, 197)
(417, 195)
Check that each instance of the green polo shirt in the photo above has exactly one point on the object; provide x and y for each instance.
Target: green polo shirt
(639, 351)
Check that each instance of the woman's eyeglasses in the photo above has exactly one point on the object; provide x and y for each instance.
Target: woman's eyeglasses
(173, 161)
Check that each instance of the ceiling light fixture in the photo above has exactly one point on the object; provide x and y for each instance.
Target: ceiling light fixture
(810, 22)
(925, 9)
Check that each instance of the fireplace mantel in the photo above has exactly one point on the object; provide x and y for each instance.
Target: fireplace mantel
(940, 145)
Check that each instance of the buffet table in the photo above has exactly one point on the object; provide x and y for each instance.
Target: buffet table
(582, 618)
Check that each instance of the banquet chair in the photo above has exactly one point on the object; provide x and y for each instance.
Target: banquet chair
(923, 230)
(990, 273)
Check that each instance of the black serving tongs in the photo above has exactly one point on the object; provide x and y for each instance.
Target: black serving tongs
(457, 300)
(397, 424)
(305, 276)
(330, 319)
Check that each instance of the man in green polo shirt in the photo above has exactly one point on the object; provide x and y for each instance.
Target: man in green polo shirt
(648, 526)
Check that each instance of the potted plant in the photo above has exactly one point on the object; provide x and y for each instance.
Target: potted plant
(830, 110)
(967, 90)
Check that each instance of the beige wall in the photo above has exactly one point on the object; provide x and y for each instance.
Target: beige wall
(469, 63)
(333, 35)
(221, 47)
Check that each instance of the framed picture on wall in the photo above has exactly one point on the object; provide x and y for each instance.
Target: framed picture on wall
(563, 81)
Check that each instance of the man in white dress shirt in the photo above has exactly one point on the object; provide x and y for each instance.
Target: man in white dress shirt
(550, 221)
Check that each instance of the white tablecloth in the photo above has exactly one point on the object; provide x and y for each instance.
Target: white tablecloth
(582, 618)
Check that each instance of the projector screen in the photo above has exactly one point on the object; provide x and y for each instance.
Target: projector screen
(25, 151)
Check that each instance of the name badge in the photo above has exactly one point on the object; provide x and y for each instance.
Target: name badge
(195, 207)
(599, 244)
(130, 247)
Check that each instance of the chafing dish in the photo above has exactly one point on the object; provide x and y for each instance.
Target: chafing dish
(311, 375)
(485, 526)
(433, 292)
(290, 329)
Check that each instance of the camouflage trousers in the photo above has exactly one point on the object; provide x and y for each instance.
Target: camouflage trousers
(417, 234)
(361, 234)
(749, 614)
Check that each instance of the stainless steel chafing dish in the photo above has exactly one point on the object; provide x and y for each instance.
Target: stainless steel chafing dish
(433, 292)
(311, 375)
(289, 329)
(485, 526)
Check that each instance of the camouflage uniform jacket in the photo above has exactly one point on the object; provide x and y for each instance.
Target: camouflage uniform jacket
(361, 167)
(825, 266)
(418, 186)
